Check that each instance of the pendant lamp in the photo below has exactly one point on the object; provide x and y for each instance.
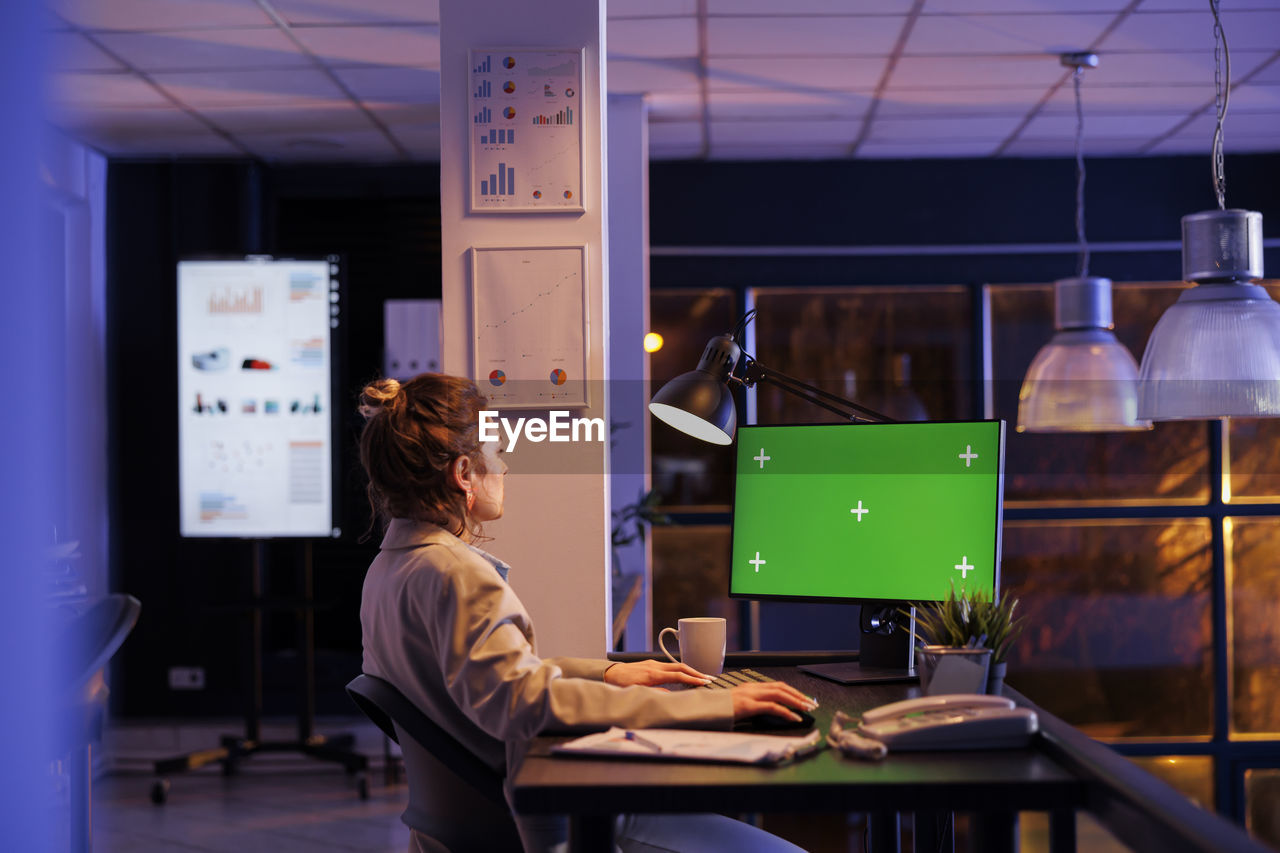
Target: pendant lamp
(1216, 352)
(1083, 380)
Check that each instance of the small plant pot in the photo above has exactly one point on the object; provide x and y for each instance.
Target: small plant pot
(947, 669)
(995, 678)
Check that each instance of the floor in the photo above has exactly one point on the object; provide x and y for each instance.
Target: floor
(279, 802)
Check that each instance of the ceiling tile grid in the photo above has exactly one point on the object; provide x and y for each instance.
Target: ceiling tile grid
(726, 79)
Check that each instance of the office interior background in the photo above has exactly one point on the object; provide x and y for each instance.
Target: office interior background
(890, 184)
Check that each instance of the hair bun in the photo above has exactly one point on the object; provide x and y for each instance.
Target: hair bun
(381, 395)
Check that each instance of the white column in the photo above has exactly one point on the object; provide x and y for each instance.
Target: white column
(556, 530)
(628, 187)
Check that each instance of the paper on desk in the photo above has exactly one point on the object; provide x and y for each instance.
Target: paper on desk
(693, 745)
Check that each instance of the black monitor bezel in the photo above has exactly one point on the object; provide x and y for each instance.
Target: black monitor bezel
(818, 599)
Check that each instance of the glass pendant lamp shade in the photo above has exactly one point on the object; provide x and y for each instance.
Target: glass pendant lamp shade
(1216, 352)
(1083, 380)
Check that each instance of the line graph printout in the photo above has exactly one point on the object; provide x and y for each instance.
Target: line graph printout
(526, 130)
(529, 308)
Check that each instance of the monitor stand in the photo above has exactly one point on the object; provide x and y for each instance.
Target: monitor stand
(886, 653)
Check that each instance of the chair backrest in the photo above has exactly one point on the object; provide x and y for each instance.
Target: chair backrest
(455, 799)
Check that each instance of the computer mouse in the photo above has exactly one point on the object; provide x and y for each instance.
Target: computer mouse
(771, 723)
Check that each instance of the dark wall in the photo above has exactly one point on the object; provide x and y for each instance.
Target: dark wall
(386, 224)
(934, 203)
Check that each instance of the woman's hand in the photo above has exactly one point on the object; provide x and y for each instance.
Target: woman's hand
(769, 697)
(653, 672)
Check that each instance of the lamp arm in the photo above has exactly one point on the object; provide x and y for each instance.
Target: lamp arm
(754, 372)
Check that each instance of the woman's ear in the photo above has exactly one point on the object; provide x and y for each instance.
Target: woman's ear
(460, 471)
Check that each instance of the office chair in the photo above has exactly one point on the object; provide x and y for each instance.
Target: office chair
(80, 651)
(456, 802)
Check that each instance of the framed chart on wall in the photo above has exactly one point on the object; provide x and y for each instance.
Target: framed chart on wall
(529, 320)
(526, 130)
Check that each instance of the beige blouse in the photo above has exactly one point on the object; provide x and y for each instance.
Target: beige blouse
(441, 624)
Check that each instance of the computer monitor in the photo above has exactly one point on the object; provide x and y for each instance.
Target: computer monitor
(881, 515)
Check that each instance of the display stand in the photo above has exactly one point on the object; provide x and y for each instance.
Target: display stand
(337, 748)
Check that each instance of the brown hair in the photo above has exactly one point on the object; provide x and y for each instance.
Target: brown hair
(413, 433)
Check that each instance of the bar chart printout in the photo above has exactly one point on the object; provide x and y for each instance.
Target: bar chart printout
(541, 90)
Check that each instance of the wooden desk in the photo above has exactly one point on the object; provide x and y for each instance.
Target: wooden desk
(1060, 774)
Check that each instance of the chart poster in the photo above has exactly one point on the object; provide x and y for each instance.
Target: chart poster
(529, 308)
(255, 398)
(526, 130)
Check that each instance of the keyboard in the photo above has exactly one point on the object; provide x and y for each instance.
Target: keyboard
(760, 722)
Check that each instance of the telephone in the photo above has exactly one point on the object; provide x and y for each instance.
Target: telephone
(950, 721)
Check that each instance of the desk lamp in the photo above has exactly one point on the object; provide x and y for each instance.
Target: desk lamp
(700, 402)
(1216, 352)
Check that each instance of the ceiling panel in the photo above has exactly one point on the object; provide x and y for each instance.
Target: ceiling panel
(202, 89)
(798, 131)
(359, 12)
(1238, 126)
(1270, 72)
(780, 151)
(988, 7)
(331, 145)
(874, 150)
(973, 72)
(1167, 67)
(803, 36)
(87, 91)
(393, 85)
(808, 7)
(160, 14)
(800, 74)
(191, 50)
(959, 102)
(421, 140)
(996, 34)
(653, 75)
(1093, 147)
(674, 107)
(70, 51)
(1202, 7)
(666, 133)
(1245, 30)
(651, 8)
(414, 46)
(1124, 100)
(994, 128)
(652, 37)
(280, 118)
(775, 105)
(1140, 126)
(130, 132)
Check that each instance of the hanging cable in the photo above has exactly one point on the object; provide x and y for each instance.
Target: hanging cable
(1080, 238)
(1078, 62)
(1221, 98)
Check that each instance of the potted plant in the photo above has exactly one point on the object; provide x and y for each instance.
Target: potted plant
(972, 619)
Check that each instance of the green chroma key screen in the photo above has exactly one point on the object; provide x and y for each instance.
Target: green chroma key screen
(869, 512)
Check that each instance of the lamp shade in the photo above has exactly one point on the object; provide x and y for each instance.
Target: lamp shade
(699, 402)
(1083, 380)
(1216, 352)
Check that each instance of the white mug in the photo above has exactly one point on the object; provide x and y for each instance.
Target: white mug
(702, 640)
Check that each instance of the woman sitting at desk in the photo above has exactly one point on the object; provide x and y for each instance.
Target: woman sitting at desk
(441, 624)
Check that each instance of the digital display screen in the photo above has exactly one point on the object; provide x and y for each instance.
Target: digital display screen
(867, 512)
(255, 396)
